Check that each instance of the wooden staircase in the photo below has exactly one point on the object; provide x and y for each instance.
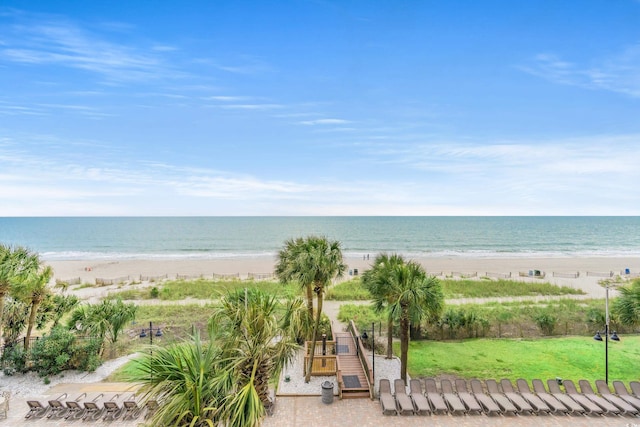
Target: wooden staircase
(351, 377)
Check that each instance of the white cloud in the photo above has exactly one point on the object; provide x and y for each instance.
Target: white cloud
(57, 42)
(618, 73)
(324, 122)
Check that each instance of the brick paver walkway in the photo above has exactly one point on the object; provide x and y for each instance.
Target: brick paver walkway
(310, 411)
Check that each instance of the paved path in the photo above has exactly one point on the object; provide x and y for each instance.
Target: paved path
(310, 412)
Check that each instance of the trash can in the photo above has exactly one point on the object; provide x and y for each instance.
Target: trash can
(327, 392)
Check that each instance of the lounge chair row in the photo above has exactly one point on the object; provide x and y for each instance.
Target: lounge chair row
(493, 398)
(92, 407)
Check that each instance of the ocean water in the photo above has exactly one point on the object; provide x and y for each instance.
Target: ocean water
(68, 238)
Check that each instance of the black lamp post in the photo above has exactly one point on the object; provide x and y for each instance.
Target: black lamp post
(613, 337)
(150, 331)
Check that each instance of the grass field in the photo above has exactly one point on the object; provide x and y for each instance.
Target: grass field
(353, 290)
(568, 358)
(175, 290)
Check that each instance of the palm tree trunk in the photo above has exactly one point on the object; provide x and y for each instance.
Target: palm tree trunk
(310, 300)
(404, 342)
(32, 321)
(316, 326)
(390, 337)
(2, 295)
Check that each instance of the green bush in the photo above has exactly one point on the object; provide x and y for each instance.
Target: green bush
(14, 360)
(545, 321)
(60, 350)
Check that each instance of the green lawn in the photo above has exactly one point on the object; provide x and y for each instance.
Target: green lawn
(568, 358)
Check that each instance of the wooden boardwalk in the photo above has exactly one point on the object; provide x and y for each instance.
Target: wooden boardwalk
(354, 380)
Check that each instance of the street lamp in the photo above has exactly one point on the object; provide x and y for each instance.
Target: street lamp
(150, 332)
(613, 337)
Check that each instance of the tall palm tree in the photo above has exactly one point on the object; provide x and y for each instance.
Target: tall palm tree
(313, 262)
(15, 265)
(376, 280)
(34, 289)
(627, 304)
(410, 296)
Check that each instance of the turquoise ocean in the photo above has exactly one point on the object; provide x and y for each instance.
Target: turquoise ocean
(72, 238)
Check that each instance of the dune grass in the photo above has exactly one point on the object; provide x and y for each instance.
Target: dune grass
(175, 290)
(486, 288)
(568, 358)
(352, 290)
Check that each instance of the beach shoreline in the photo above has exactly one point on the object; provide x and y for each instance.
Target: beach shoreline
(557, 270)
(89, 269)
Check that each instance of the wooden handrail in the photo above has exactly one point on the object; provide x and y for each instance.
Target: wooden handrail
(368, 372)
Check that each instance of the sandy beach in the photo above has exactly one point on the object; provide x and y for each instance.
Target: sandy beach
(590, 270)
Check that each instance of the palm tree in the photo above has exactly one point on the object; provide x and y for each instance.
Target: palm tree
(376, 281)
(181, 377)
(257, 344)
(34, 289)
(106, 320)
(627, 304)
(15, 265)
(410, 296)
(224, 381)
(313, 262)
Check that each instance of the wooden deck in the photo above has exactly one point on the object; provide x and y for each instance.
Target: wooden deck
(351, 379)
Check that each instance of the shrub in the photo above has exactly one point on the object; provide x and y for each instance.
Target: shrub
(545, 321)
(14, 360)
(154, 293)
(61, 350)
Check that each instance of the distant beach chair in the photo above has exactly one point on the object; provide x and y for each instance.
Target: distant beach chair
(455, 404)
(519, 401)
(572, 405)
(438, 404)
(606, 394)
(387, 402)
(535, 401)
(36, 409)
(489, 405)
(541, 391)
(635, 388)
(572, 391)
(56, 407)
(467, 398)
(420, 402)
(621, 390)
(112, 410)
(587, 390)
(405, 405)
(506, 406)
(75, 410)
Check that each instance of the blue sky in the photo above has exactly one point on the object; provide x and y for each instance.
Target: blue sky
(319, 107)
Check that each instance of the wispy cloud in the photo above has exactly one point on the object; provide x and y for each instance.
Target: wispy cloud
(327, 121)
(51, 41)
(618, 73)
